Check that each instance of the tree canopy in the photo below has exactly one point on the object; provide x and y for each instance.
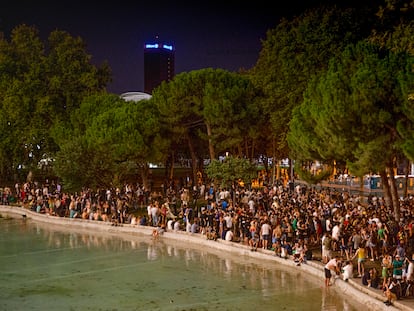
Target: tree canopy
(41, 84)
(333, 84)
(231, 171)
(210, 111)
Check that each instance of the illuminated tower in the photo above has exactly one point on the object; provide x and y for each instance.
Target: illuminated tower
(158, 65)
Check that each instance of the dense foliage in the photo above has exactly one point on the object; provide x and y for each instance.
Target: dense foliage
(333, 84)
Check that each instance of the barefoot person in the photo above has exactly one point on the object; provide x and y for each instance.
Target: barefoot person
(333, 266)
(360, 253)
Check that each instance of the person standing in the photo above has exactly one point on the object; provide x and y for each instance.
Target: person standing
(326, 247)
(397, 267)
(229, 220)
(344, 245)
(265, 231)
(276, 237)
(155, 211)
(360, 253)
(254, 240)
(149, 208)
(356, 240)
(386, 265)
(383, 238)
(336, 233)
(410, 268)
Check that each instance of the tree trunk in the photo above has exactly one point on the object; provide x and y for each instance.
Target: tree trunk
(29, 177)
(291, 174)
(386, 188)
(394, 195)
(171, 173)
(144, 171)
(407, 170)
(210, 143)
(193, 159)
(361, 186)
(278, 170)
(252, 150)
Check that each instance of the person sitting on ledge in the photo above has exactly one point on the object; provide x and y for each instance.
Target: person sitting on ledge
(155, 234)
(347, 271)
(298, 251)
(370, 278)
(142, 221)
(391, 291)
(211, 234)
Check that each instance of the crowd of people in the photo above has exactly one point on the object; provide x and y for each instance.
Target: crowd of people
(289, 221)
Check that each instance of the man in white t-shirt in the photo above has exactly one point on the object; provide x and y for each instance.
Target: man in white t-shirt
(336, 232)
(332, 267)
(326, 243)
(265, 232)
(229, 220)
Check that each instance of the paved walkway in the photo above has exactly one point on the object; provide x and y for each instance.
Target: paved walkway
(353, 289)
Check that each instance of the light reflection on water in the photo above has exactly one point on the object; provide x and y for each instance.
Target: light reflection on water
(50, 268)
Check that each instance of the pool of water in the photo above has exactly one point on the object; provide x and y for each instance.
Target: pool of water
(50, 267)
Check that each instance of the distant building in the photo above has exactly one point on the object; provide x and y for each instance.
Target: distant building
(158, 65)
(135, 96)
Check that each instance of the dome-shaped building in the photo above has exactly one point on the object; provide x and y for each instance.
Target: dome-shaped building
(135, 96)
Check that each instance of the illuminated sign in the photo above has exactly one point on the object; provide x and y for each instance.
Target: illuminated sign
(152, 46)
(157, 46)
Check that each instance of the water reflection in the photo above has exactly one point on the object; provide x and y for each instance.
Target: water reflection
(51, 266)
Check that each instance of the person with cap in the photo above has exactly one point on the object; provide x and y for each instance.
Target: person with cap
(397, 267)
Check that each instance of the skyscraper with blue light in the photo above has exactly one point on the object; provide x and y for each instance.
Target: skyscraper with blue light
(158, 65)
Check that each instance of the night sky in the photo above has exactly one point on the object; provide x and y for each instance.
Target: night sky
(217, 34)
